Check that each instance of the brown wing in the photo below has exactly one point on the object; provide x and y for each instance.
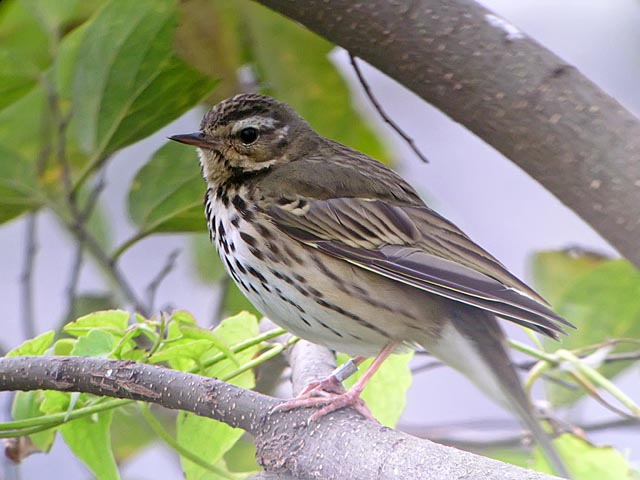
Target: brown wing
(415, 246)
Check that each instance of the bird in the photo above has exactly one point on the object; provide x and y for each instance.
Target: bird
(338, 249)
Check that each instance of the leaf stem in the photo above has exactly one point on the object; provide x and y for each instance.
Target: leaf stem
(9, 429)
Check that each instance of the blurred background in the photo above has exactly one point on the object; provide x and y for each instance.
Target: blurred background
(467, 181)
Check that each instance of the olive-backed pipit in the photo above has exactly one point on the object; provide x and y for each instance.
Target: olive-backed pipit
(339, 250)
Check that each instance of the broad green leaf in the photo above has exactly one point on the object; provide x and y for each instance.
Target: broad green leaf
(34, 346)
(166, 194)
(127, 82)
(173, 90)
(206, 260)
(20, 145)
(603, 304)
(89, 438)
(182, 350)
(293, 64)
(54, 401)
(386, 392)
(554, 271)
(97, 343)
(233, 330)
(54, 16)
(64, 346)
(586, 461)
(197, 332)
(27, 405)
(113, 321)
(206, 438)
(210, 37)
(24, 51)
(15, 79)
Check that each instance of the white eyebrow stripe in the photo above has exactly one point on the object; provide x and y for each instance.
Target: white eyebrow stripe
(255, 121)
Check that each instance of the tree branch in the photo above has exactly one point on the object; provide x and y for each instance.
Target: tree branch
(543, 114)
(341, 445)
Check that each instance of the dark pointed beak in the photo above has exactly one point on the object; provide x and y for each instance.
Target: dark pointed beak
(197, 139)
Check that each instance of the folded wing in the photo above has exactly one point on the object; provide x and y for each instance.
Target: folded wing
(415, 246)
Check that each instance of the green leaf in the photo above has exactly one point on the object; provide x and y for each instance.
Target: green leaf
(53, 15)
(64, 346)
(113, 321)
(233, 330)
(55, 402)
(182, 350)
(197, 332)
(166, 194)
(90, 440)
(293, 63)
(210, 37)
(603, 304)
(586, 461)
(127, 82)
(15, 79)
(386, 392)
(24, 53)
(554, 271)
(97, 343)
(27, 405)
(206, 438)
(34, 346)
(18, 190)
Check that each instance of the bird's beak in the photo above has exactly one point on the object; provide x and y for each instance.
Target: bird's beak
(197, 139)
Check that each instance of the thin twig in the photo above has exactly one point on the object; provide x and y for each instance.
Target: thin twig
(152, 288)
(74, 278)
(385, 117)
(611, 358)
(454, 433)
(26, 279)
(76, 267)
(77, 224)
(525, 366)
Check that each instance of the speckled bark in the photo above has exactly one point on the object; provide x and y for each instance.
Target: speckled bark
(340, 446)
(519, 97)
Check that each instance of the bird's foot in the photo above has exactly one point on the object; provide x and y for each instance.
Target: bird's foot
(329, 400)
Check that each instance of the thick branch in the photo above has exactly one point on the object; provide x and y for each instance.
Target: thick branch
(341, 445)
(519, 97)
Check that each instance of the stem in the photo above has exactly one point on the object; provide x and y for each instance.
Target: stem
(45, 422)
(26, 280)
(596, 377)
(242, 346)
(115, 256)
(268, 354)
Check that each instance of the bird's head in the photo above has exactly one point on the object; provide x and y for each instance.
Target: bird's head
(247, 133)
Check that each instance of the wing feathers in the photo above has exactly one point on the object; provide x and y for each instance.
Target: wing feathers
(417, 247)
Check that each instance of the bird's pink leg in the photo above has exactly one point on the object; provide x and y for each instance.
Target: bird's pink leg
(330, 394)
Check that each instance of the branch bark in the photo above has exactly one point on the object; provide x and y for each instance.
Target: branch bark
(543, 114)
(341, 445)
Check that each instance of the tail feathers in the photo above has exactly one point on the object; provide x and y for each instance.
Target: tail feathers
(474, 344)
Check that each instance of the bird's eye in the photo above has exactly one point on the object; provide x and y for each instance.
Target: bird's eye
(249, 135)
